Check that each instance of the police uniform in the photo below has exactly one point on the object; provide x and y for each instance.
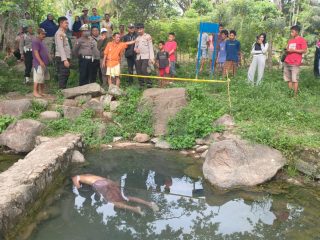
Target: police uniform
(145, 53)
(94, 68)
(86, 50)
(62, 53)
(129, 53)
(25, 47)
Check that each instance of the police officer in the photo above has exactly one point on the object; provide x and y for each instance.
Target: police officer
(86, 50)
(25, 47)
(145, 55)
(62, 52)
(130, 53)
(95, 69)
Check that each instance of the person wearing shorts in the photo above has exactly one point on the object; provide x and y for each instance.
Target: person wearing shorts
(203, 48)
(110, 191)
(233, 52)
(112, 57)
(40, 62)
(162, 61)
(171, 47)
(296, 47)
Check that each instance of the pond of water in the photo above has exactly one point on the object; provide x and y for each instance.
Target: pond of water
(189, 207)
(7, 160)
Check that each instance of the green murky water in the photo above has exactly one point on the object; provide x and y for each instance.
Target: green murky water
(189, 208)
(7, 161)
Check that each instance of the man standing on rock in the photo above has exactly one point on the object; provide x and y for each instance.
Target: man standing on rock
(25, 47)
(62, 53)
(145, 55)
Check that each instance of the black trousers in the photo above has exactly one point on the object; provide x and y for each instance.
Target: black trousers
(63, 73)
(131, 63)
(28, 63)
(142, 69)
(84, 70)
(94, 70)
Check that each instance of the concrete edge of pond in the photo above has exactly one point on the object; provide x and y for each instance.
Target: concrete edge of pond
(25, 181)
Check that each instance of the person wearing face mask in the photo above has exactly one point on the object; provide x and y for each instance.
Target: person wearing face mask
(259, 53)
(86, 50)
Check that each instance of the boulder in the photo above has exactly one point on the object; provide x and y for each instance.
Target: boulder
(21, 135)
(15, 108)
(117, 139)
(101, 131)
(82, 99)
(232, 163)
(42, 102)
(50, 115)
(165, 104)
(204, 154)
(200, 141)
(95, 105)
(107, 115)
(93, 89)
(162, 144)
(77, 157)
(154, 140)
(106, 100)
(72, 112)
(114, 105)
(202, 149)
(141, 138)
(70, 103)
(115, 91)
(226, 121)
(308, 162)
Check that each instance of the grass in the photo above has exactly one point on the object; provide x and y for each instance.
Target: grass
(267, 114)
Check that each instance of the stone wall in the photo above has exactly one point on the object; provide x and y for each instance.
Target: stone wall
(24, 182)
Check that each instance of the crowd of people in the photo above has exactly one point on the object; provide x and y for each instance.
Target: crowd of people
(100, 50)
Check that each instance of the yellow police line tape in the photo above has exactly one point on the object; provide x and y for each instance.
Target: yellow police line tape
(185, 80)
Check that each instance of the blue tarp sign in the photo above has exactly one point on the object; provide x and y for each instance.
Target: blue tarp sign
(213, 28)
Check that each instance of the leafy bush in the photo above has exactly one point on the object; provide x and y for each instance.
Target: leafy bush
(129, 119)
(195, 120)
(5, 121)
(84, 125)
(35, 111)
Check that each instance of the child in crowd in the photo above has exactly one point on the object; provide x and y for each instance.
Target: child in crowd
(222, 50)
(9, 54)
(171, 47)
(162, 62)
(232, 54)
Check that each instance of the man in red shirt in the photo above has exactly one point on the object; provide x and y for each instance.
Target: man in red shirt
(171, 47)
(296, 47)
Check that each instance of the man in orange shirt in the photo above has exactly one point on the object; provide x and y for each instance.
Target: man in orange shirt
(112, 57)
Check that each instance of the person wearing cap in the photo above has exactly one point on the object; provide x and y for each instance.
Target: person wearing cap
(145, 55)
(95, 19)
(112, 57)
(25, 48)
(102, 43)
(84, 18)
(94, 68)
(86, 50)
(106, 23)
(62, 52)
(130, 53)
(40, 62)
